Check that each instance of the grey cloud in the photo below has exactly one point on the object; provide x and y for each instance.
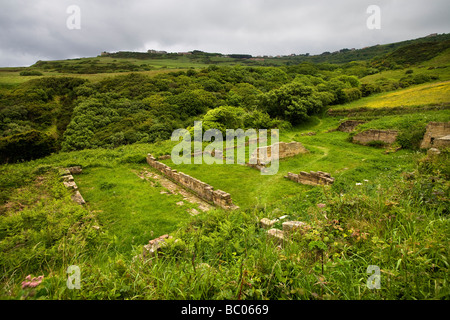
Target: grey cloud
(36, 29)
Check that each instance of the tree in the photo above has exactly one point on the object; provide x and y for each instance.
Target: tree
(294, 102)
(192, 102)
(224, 117)
(28, 145)
(243, 95)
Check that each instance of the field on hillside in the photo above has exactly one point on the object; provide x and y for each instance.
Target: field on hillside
(420, 95)
(388, 206)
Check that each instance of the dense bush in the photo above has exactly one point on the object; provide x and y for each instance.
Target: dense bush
(26, 146)
(31, 73)
(411, 137)
(294, 102)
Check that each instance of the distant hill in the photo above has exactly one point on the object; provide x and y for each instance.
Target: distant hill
(379, 51)
(413, 54)
(386, 55)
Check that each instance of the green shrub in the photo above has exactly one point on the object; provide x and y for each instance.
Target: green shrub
(28, 145)
(31, 73)
(411, 137)
(352, 94)
(369, 88)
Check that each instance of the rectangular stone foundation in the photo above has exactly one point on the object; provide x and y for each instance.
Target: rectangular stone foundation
(201, 189)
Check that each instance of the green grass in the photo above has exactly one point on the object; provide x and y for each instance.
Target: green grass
(329, 151)
(438, 66)
(390, 221)
(131, 208)
(388, 209)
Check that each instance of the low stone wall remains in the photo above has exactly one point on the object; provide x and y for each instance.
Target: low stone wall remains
(312, 178)
(67, 178)
(201, 189)
(386, 136)
(290, 228)
(436, 135)
(442, 142)
(349, 125)
(284, 150)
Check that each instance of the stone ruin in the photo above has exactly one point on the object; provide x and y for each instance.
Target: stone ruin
(203, 190)
(259, 160)
(349, 125)
(164, 157)
(312, 178)
(155, 245)
(67, 178)
(371, 135)
(289, 228)
(437, 136)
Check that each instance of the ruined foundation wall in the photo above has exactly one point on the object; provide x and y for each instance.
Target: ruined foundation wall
(312, 178)
(436, 135)
(284, 150)
(386, 136)
(203, 190)
(349, 125)
(441, 143)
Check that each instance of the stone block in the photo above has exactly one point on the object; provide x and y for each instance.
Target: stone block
(64, 172)
(67, 178)
(75, 170)
(70, 185)
(293, 226)
(76, 197)
(155, 245)
(433, 152)
(267, 223)
(276, 235)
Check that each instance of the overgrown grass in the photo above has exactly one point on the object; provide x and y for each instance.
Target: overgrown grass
(389, 210)
(131, 208)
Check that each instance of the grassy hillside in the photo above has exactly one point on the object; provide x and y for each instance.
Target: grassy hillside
(386, 216)
(388, 206)
(437, 93)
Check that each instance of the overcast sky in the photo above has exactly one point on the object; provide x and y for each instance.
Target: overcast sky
(32, 30)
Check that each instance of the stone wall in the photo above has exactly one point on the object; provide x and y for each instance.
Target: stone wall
(442, 142)
(436, 135)
(284, 150)
(349, 125)
(312, 178)
(66, 175)
(203, 190)
(386, 136)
